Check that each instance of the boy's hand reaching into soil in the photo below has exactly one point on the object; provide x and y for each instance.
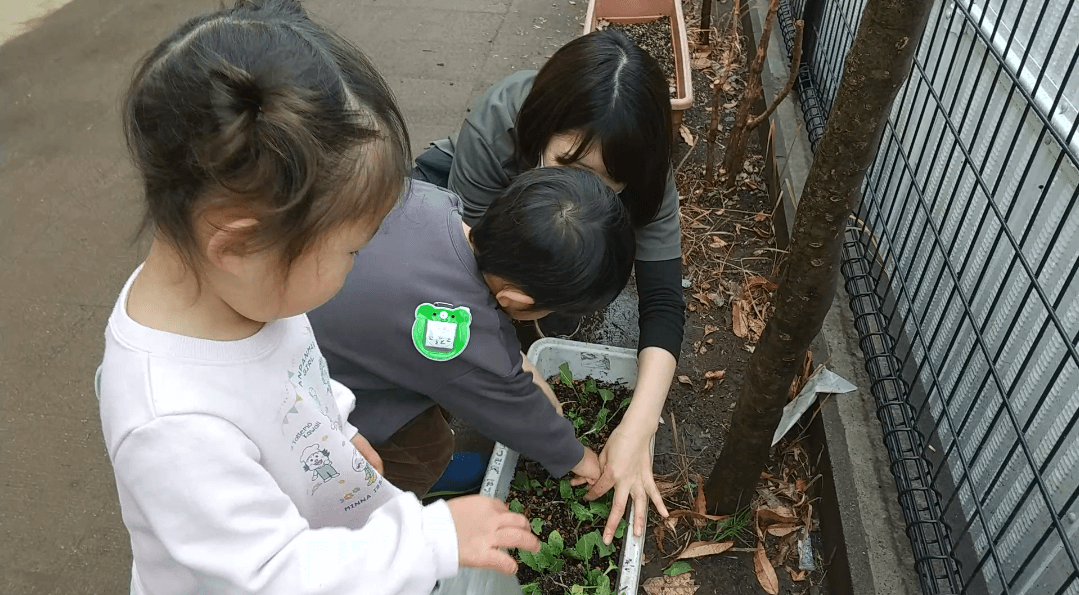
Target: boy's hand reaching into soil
(484, 527)
(588, 470)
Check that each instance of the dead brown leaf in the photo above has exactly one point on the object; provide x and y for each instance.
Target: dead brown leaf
(701, 63)
(738, 317)
(671, 585)
(760, 217)
(717, 243)
(780, 514)
(709, 329)
(705, 548)
(687, 135)
(759, 281)
(716, 374)
(797, 576)
(708, 384)
(700, 504)
(696, 515)
(801, 485)
(783, 530)
(685, 380)
(766, 575)
(702, 298)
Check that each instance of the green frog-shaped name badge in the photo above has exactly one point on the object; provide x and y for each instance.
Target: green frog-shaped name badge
(441, 331)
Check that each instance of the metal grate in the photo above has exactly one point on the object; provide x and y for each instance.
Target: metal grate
(961, 264)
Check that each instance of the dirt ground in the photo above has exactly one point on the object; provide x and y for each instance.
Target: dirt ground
(730, 256)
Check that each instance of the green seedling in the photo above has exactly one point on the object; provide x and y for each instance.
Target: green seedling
(516, 506)
(566, 376)
(554, 552)
(728, 529)
(549, 558)
(679, 567)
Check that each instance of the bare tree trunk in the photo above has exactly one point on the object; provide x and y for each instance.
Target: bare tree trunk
(726, 59)
(706, 21)
(877, 65)
(735, 158)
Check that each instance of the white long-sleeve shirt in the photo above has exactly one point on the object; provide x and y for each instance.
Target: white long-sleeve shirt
(236, 473)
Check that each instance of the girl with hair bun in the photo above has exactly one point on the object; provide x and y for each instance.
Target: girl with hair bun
(269, 150)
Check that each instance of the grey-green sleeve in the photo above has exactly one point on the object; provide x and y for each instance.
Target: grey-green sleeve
(476, 174)
(662, 238)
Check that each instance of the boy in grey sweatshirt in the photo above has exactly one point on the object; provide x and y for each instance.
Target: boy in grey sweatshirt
(421, 330)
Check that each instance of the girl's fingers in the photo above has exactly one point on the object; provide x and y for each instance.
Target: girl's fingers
(512, 520)
(500, 561)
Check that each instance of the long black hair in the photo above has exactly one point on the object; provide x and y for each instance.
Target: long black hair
(614, 95)
(561, 236)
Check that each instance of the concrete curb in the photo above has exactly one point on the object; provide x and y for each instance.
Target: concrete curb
(865, 545)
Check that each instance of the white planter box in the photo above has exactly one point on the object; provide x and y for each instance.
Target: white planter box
(586, 360)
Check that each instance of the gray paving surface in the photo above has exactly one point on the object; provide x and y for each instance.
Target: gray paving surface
(69, 204)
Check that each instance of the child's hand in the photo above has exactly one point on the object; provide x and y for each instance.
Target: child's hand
(484, 525)
(368, 452)
(588, 470)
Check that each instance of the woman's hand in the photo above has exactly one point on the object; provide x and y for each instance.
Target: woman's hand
(627, 457)
(627, 467)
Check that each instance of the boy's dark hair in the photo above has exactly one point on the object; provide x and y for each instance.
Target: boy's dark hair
(255, 107)
(614, 93)
(560, 235)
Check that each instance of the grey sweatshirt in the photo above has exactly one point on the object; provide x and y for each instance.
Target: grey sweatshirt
(395, 335)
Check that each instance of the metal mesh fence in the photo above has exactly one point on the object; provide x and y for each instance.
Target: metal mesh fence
(961, 263)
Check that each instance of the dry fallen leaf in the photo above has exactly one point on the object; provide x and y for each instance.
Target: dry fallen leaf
(779, 514)
(717, 243)
(685, 380)
(671, 585)
(801, 485)
(686, 135)
(797, 576)
(716, 374)
(701, 63)
(757, 280)
(700, 504)
(760, 216)
(705, 548)
(709, 329)
(696, 515)
(738, 316)
(708, 385)
(766, 575)
(782, 530)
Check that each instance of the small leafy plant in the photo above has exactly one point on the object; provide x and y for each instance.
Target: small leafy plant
(572, 555)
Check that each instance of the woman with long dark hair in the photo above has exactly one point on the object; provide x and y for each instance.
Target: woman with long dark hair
(602, 104)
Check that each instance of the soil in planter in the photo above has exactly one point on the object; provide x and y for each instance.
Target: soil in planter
(655, 38)
(573, 552)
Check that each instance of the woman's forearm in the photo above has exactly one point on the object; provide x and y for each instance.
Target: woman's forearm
(655, 371)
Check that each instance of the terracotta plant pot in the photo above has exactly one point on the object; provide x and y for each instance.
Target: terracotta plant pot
(628, 12)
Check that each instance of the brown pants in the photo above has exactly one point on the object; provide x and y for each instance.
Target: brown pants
(416, 455)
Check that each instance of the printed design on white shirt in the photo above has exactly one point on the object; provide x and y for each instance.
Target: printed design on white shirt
(313, 385)
(316, 459)
(359, 463)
